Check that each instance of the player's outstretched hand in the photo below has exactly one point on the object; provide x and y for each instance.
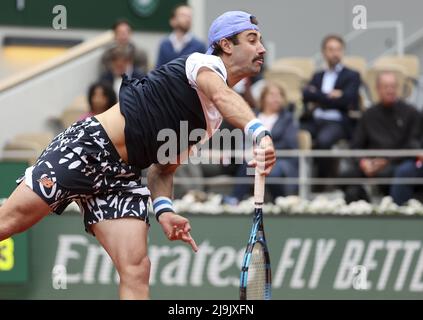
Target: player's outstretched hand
(176, 227)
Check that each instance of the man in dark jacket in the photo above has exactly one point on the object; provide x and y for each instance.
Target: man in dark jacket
(390, 124)
(327, 99)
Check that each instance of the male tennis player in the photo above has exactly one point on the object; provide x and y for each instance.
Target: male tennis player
(97, 162)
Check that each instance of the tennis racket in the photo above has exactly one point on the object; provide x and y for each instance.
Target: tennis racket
(256, 278)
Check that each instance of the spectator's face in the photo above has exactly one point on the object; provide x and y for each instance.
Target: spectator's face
(333, 52)
(273, 100)
(120, 65)
(248, 54)
(99, 102)
(387, 87)
(182, 19)
(123, 34)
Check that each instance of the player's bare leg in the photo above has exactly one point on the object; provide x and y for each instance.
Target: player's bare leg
(21, 210)
(125, 240)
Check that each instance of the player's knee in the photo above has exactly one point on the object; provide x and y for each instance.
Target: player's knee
(135, 273)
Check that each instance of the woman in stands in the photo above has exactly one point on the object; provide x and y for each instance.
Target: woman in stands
(275, 114)
(100, 98)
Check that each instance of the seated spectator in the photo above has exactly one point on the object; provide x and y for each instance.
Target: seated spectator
(327, 99)
(284, 129)
(412, 168)
(101, 97)
(390, 124)
(123, 34)
(181, 41)
(121, 63)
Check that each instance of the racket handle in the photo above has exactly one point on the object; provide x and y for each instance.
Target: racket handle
(259, 183)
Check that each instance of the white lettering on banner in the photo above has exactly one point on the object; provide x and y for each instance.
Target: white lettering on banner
(301, 264)
(416, 282)
(223, 259)
(296, 281)
(90, 270)
(176, 272)
(286, 262)
(369, 263)
(65, 253)
(199, 264)
(323, 251)
(410, 247)
(392, 246)
(155, 253)
(352, 256)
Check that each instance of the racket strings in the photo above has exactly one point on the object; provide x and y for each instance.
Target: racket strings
(256, 281)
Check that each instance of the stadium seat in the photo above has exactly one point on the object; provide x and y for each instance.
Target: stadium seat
(304, 140)
(356, 63)
(408, 63)
(292, 80)
(72, 113)
(306, 66)
(371, 76)
(31, 144)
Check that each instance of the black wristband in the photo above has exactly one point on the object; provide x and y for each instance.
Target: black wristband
(262, 135)
(159, 213)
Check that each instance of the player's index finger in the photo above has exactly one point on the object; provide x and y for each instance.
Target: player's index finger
(193, 245)
(187, 238)
(187, 227)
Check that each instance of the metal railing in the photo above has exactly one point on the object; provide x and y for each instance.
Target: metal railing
(304, 180)
(398, 26)
(73, 53)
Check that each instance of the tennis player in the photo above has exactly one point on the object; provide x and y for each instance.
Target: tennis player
(97, 162)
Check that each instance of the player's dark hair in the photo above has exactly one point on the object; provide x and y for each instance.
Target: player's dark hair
(218, 49)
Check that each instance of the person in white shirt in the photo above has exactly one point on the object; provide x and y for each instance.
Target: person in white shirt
(328, 97)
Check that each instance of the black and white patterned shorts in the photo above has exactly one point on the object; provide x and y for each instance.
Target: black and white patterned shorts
(82, 165)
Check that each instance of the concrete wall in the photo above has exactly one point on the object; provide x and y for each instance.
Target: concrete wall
(296, 27)
(28, 106)
(289, 27)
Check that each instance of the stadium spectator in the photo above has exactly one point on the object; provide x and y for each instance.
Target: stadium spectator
(123, 34)
(412, 168)
(328, 97)
(181, 41)
(100, 98)
(121, 63)
(276, 117)
(390, 124)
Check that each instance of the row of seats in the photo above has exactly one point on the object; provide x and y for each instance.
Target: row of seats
(28, 146)
(294, 73)
(291, 73)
